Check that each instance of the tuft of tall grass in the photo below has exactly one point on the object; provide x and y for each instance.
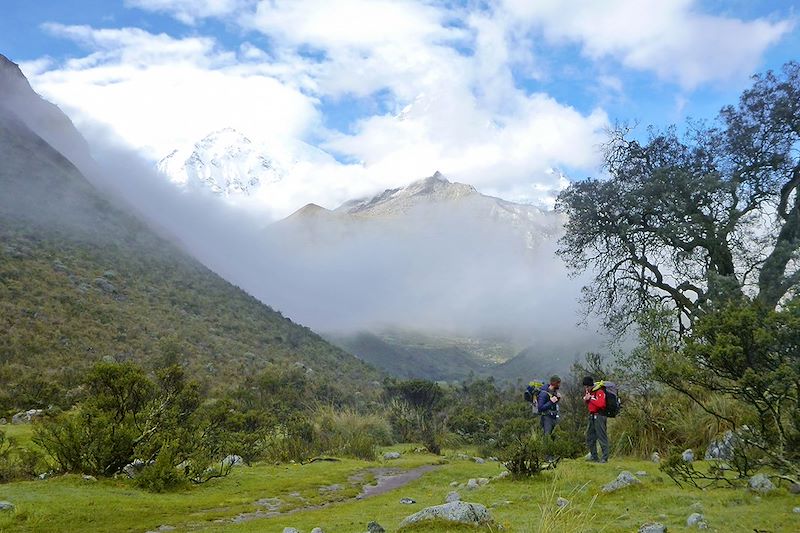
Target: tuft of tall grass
(568, 518)
(350, 433)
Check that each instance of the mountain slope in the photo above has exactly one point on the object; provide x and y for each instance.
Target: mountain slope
(81, 280)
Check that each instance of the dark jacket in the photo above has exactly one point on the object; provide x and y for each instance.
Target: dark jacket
(543, 404)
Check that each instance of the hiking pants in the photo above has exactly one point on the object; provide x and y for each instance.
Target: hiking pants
(548, 423)
(596, 432)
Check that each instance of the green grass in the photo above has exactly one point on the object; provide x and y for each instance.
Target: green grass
(69, 503)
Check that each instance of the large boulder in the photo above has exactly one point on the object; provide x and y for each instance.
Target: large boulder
(25, 417)
(624, 479)
(133, 469)
(232, 460)
(391, 455)
(721, 448)
(461, 512)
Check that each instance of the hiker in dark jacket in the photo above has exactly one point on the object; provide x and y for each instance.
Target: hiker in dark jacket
(547, 404)
(595, 398)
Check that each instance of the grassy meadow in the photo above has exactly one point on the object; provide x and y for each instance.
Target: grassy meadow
(325, 494)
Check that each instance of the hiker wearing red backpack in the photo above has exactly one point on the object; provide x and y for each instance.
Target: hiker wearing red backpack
(595, 398)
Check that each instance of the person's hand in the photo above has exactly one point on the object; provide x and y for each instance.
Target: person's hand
(587, 397)
(554, 399)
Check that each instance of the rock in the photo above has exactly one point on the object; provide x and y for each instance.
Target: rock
(483, 481)
(109, 274)
(472, 484)
(696, 520)
(331, 488)
(795, 510)
(166, 528)
(233, 460)
(391, 455)
(109, 359)
(407, 501)
(760, 483)
(374, 527)
(317, 530)
(89, 478)
(653, 527)
(461, 512)
(3, 421)
(452, 497)
(479, 460)
(562, 502)
(25, 417)
(502, 475)
(624, 479)
(687, 456)
(641, 473)
(721, 447)
(104, 285)
(133, 469)
(290, 530)
(655, 457)
(454, 483)
(697, 507)
(6, 506)
(493, 459)
(794, 488)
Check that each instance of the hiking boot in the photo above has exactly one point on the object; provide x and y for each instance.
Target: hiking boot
(603, 461)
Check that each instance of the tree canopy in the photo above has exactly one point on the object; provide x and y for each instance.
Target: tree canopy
(695, 218)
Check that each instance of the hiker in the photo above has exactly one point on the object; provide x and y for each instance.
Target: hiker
(595, 398)
(547, 404)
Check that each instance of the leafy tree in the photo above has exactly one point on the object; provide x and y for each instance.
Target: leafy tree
(694, 219)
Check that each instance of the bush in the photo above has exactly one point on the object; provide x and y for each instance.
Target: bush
(351, 434)
(161, 475)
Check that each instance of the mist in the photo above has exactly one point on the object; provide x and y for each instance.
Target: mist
(436, 269)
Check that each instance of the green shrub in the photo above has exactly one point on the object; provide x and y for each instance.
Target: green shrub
(161, 475)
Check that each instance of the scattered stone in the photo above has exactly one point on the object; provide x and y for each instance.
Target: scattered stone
(493, 459)
(374, 527)
(796, 510)
(3, 421)
(483, 481)
(472, 484)
(317, 530)
(721, 447)
(794, 488)
(760, 483)
(331, 488)
(687, 456)
(109, 274)
(502, 475)
(452, 497)
(233, 460)
(479, 460)
(104, 285)
(271, 504)
(655, 457)
(87, 477)
(454, 483)
(109, 359)
(391, 455)
(461, 512)
(26, 417)
(166, 528)
(624, 479)
(407, 501)
(133, 469)
(462, 456)
(290, 530)
(6, 506)
(696, 520)
(653, 527)
(562, 502)
(641, 473)
(697, 507)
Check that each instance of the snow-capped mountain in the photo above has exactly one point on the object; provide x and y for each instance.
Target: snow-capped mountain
(439, 195)
(229, 163)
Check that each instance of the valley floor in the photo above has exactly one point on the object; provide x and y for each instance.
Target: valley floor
(327, 495)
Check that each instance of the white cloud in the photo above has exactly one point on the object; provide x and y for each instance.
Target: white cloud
(189, 11)
(672, 38)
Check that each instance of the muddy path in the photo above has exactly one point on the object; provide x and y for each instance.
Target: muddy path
(386, 480)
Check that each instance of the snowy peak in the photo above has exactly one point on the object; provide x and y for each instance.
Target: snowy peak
(434, 189)
(225, 162)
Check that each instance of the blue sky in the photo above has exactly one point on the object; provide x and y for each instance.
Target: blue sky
(505, 94)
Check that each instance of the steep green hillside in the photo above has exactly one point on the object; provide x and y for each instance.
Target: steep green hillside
(82, 280)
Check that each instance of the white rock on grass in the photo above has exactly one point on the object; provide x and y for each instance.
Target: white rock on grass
(641, 473)
(461, 512)
(502, 475)
(6, 506)
(624, 479)
(317, 530)
(760, 483)
(391, 455)
(374, 527)
(452, 497)
(655, 457)
(687, 456)
(232, 460)
(696, 520)
(562, 502)
(722, 447)
(479, 460)
(653, 527)
(472, 484)
(796, 510)
(483, 481)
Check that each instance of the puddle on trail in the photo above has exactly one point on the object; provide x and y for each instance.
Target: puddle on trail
(386, 479)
